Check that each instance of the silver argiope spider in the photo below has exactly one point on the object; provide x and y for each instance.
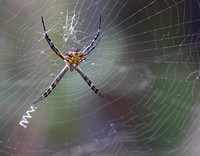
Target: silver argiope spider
(72, 59)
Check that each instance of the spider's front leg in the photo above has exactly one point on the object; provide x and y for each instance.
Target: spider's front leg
(53, 85)
(53, 47)
(90, 47)
(87, 80)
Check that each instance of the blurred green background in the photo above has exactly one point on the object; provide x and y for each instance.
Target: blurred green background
(146, 65)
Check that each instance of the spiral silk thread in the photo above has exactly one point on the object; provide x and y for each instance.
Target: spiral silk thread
(24, 120)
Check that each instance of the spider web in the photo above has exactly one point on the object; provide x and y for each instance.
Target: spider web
(146, 65)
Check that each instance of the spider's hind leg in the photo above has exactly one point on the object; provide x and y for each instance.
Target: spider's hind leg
(53, 85)
(87, 80)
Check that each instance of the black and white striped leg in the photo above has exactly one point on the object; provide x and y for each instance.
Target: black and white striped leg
(53, 85)
(95, 38)
(53, 47)
(92, 47)
(87, 80)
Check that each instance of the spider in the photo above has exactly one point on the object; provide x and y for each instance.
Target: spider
(72, 59)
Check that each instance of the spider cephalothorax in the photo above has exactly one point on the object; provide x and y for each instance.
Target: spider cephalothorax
(72, 59)
(74, 56)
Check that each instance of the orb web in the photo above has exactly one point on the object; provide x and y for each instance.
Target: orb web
(146, 66)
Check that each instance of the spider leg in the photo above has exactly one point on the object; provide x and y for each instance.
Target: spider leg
(92, 43)
(92, 47)
(53, 47)
(87, 80)
(53, 85)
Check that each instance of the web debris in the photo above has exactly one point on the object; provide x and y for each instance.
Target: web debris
(70, 23)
